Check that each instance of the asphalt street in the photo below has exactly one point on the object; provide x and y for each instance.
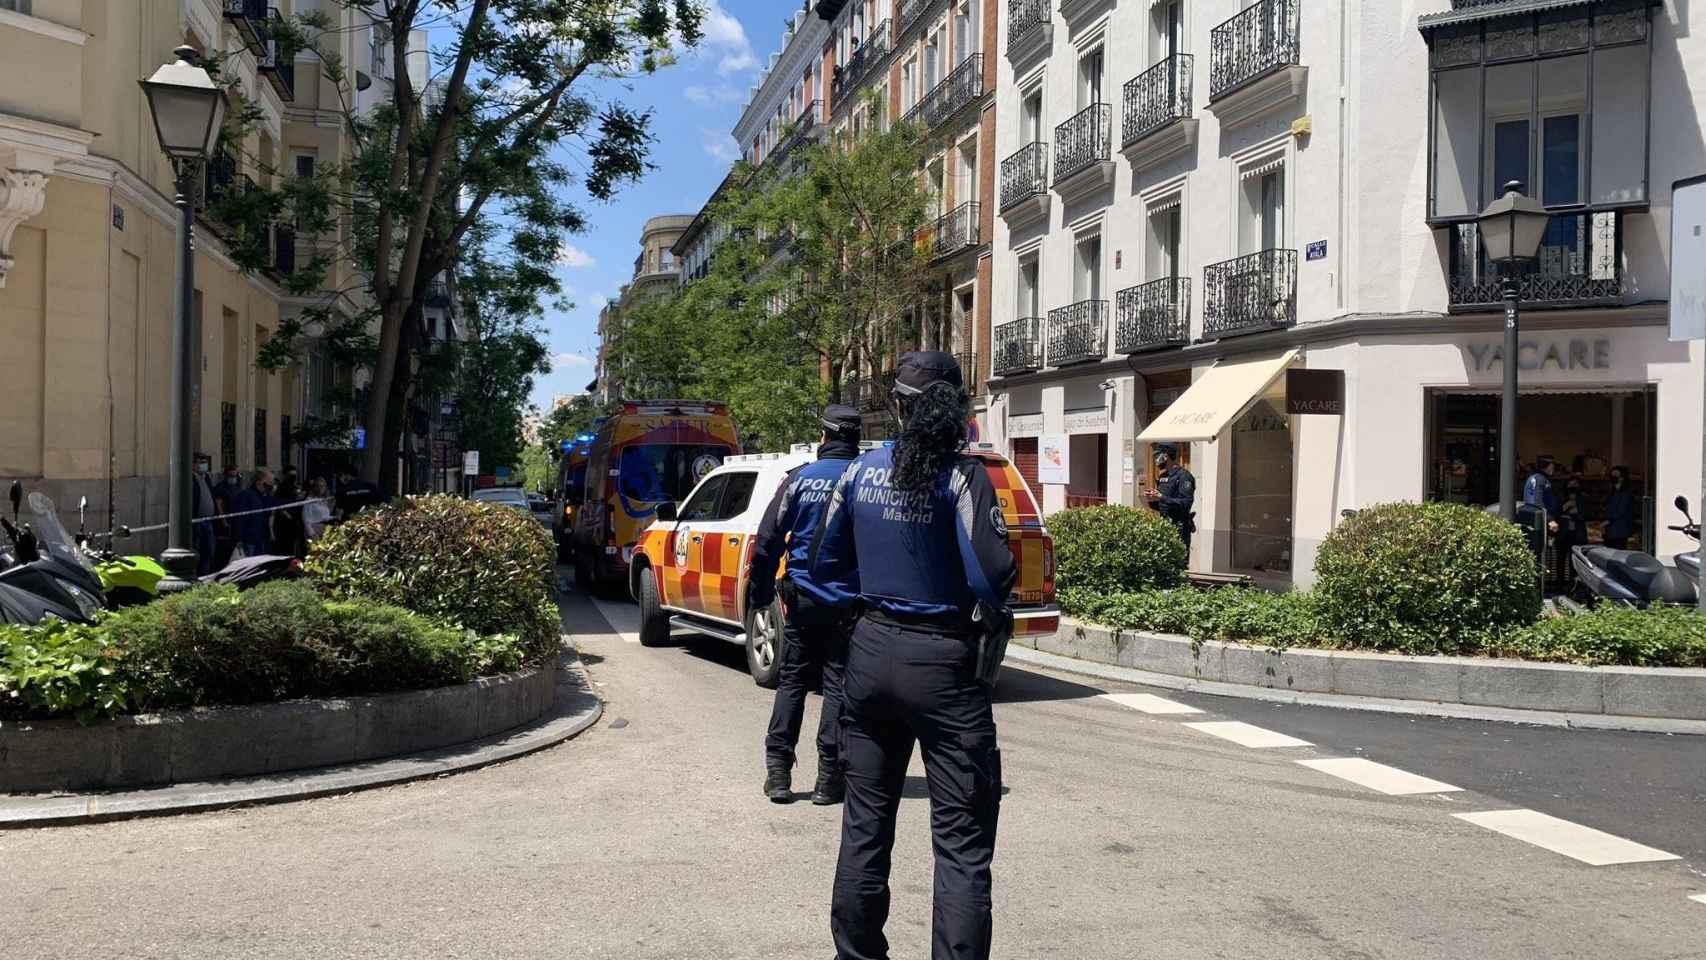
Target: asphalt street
(1130, 828)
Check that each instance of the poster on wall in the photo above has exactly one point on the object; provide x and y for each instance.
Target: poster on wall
(1054, 460)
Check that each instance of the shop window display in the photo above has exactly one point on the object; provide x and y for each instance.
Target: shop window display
(1263, 465)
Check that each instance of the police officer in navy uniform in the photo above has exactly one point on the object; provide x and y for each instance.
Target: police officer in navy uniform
(1176, 495)
(916, 533)
(815, 623)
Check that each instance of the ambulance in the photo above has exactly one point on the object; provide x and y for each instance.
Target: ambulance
(649, 453)
(691, 565)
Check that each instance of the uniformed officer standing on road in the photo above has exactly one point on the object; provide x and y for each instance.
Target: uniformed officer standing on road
(815, 626)
(916, 533)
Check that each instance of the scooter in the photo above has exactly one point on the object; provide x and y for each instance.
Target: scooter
(126, 581)
(1688, 563)
(1629, 577)
(46, 573)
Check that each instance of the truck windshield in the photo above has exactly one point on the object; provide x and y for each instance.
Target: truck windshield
(660, 472)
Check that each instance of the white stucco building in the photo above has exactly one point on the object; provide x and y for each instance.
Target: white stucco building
(1247, 188)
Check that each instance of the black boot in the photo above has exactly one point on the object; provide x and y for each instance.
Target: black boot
(779, 779)
(831, 788)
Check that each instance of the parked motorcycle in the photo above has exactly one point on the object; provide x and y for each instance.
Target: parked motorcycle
(126, 581)
(1633, 578)
(46, 573)
(1688, 563)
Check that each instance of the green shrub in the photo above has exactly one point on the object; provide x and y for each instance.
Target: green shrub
(485, 567)
(1113, 548)
(1424, 578)
(57, 669)
(1660, 637)
(1246, 616)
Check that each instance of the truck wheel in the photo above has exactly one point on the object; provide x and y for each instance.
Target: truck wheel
(764, 640)
(654, 622)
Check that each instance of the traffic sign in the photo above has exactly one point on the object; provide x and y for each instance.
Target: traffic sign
(471, 463)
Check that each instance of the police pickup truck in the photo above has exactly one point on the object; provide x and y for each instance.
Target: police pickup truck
(691, 564)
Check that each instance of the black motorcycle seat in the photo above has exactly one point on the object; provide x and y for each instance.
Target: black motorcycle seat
(1639, 570)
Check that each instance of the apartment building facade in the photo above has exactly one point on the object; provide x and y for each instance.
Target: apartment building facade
(1200, 197)
(87, 246)
(657, 271)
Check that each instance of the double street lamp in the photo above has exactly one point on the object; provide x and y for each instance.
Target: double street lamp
(1511, 229)
(188, 110)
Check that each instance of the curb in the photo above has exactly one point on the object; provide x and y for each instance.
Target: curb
(1647, 699)
(576, 708)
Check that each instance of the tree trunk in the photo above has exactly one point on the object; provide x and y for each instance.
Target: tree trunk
(397, 418)
(379, 394)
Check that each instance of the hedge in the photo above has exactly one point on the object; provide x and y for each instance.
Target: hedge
(1115, 547)
(213, 645)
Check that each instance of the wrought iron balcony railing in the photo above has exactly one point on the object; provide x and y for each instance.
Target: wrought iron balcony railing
(1016, 347)
(1258, 41)
(219, 176)
(960, 87)
(869, 54)
(907, 13)
(1078, 332)
(247, 16)
(1153, 315)
(438, 294)
(959, 228)
(1580, 265)
(1156, 97)
(272, 61)
(804, 127)
(1082, 142)
(1025, 17)
(1024, 174)
(1250, 294)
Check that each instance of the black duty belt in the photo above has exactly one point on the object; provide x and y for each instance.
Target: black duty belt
(952, 623)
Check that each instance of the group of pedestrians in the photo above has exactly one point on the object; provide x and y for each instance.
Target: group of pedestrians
(266, 514)
(898, 570)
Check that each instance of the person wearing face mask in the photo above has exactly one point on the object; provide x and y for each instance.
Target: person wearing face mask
(1175, 493)
(254, 528)
(225, 494)
(204, 506)
(1620, 510)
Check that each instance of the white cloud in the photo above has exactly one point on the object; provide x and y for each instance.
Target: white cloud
(719, 145)
(570, 360)
(721, 93)
(574, 257)
(726, 38)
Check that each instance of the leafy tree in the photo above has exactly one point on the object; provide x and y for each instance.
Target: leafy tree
(488, 145)
(568, 421)
(538, 471)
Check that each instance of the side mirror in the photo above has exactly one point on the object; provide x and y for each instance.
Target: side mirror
(122, 532)
(1681, 504)
(667, 512)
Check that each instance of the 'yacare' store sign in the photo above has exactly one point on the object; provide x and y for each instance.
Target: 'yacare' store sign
(1575, 353)
(1315, 391)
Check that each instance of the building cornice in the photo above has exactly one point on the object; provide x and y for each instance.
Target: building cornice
(803, 47)
(46, 28)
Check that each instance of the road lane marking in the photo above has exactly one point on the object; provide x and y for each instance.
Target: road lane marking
(1149, 703)
(624, 620)
(1699, 898)
(1246, 735)
(1592, 847)
(1378, 776)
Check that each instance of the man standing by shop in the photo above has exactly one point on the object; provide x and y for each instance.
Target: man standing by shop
(815, 621)
(917, 534)
(1175, 494)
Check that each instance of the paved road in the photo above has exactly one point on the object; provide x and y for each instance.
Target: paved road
(1124, 834)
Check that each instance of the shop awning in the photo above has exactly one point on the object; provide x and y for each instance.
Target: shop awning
(1216, 399)
(1489, 9)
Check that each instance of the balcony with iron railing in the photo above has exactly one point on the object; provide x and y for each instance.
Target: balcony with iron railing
(959, 88)
(248, 16)
(806, 127)
(1580, 265)
(1030, 27)
(859, 64)
(1016, 347)
(219, 177)
(1157, 98)
(959, 229)
(1024, 175)
(279, 68)
(908, 12)
(1153, 315)
(1260, 41)
(438, 294)
(1078, 332)
(1250, 294)
(1081, 144)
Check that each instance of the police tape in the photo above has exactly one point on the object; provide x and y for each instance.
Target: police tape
(152, 528)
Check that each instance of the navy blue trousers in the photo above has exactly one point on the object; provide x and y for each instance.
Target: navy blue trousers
(903, 686)
(814, 648)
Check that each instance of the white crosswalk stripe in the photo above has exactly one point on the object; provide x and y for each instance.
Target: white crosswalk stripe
(1593, 847)
(624, 619)
(1247, 735)
(1699, 898)
(1149, 703)
(1378, 776)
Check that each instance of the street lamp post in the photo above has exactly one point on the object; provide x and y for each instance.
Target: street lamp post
(1511, 229)
(188, 110)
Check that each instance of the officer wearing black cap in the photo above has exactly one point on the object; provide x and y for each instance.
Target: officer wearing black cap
(1175, 496)
(815, 623)
(917, 534)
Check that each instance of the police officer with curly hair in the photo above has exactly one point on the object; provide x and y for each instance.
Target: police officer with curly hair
(916, 533)
(814, 642)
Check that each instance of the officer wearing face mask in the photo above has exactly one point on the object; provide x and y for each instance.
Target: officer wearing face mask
(815, 625)
(917, 534)
(1175, 493)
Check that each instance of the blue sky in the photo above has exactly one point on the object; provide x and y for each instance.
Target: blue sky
(695, 105)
